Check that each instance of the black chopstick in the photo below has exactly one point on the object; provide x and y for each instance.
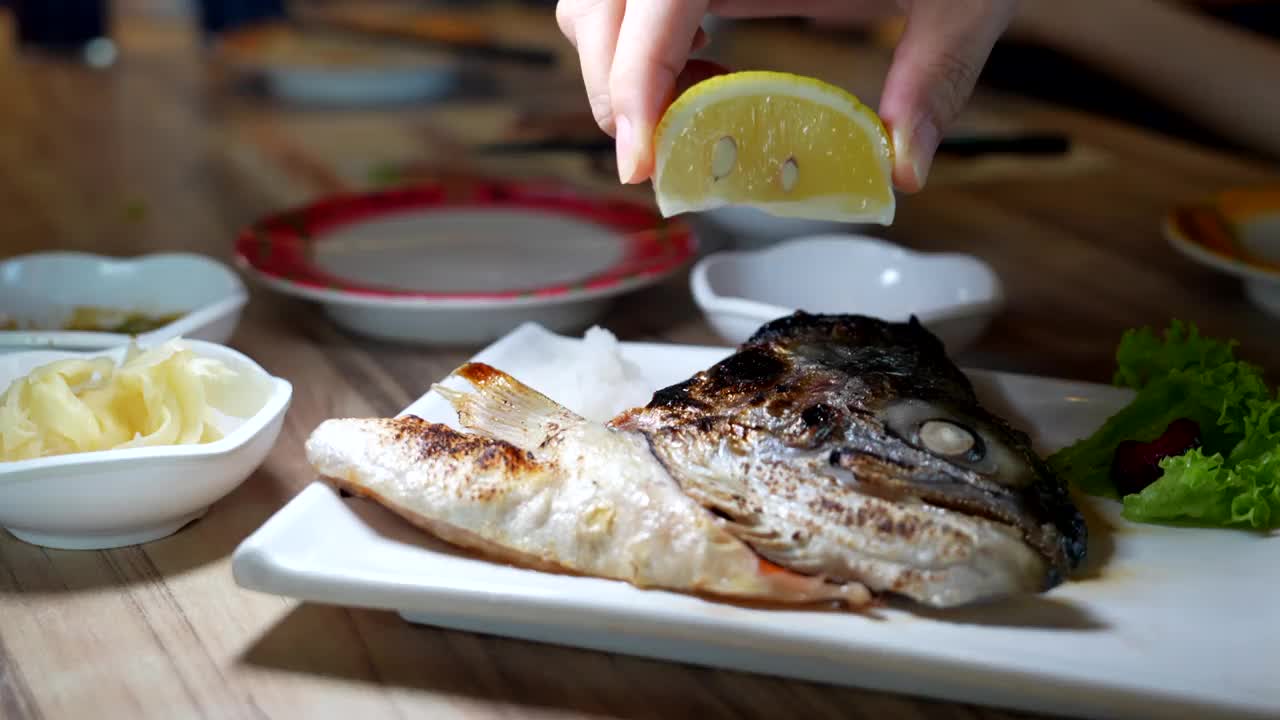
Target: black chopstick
(1022, 144)
(567, 145)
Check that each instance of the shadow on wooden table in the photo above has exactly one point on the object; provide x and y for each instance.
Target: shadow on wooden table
(380, 649)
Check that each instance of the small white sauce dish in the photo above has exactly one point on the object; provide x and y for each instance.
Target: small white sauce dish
(953, 295)
(41, 290)
(746, 228)
(115, 498)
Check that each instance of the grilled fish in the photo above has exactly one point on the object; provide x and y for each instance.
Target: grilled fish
(541, 487)
(830, 457)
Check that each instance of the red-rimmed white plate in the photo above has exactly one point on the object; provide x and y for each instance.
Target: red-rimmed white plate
(464, 262)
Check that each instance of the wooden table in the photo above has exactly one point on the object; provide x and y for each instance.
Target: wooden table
(155, 154)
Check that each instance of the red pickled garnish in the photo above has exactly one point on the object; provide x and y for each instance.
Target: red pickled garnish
(1137, 464)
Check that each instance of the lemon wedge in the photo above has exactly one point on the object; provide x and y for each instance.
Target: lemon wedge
(788, 145)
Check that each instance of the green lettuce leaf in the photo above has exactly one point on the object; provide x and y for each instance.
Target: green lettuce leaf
(1142, 357)
(1233, 479)
(1202, 489)
(1217, 399)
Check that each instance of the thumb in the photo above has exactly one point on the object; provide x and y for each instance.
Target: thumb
(934, 70)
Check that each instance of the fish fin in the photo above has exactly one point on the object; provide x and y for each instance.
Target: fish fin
(783, 559)
(742, 522)
(504, 408)
(735, 510)
(726, 493)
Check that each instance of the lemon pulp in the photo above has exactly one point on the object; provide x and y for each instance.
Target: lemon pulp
(785, 144)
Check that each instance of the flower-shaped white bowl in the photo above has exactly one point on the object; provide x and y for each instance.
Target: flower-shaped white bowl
(953, 295)
(41, 289)
(114, 498)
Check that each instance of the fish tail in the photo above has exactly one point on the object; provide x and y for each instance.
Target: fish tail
(505, 408)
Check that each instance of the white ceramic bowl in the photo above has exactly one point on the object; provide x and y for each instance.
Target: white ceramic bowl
(954, 295)
(42, 288)
(126, 497)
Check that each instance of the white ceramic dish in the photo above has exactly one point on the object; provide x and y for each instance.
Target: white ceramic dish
(464, 264)
(41, 290)
(1172, 623)
(127, 497)
(953, 295)
(1237, 233)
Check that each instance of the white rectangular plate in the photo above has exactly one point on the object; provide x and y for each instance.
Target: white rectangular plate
(1165, 622)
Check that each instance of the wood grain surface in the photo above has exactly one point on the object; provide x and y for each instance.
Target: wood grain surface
(164, 152)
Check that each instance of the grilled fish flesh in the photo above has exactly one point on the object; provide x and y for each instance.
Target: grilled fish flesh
(829, 457)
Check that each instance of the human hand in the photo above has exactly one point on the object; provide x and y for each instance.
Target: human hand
(633, 55)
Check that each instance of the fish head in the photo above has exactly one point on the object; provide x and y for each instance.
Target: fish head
(880, 406)
(898, 419)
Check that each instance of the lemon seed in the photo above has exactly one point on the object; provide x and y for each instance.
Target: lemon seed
(723, 157)
(790, 174)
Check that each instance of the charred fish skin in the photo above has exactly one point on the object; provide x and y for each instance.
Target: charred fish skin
(879, 407)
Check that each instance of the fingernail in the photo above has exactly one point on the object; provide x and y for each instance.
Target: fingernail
(921, 148)
(625, 141)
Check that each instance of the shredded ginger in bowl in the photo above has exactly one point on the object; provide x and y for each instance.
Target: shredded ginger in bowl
(165, 395)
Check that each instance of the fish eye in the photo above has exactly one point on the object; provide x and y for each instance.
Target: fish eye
(939, 432)
(949, 439)
(933, 429)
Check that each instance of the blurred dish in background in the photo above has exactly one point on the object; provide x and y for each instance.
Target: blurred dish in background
(464, 262)
(1236, 232)
(457, 31)
(318, 67)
